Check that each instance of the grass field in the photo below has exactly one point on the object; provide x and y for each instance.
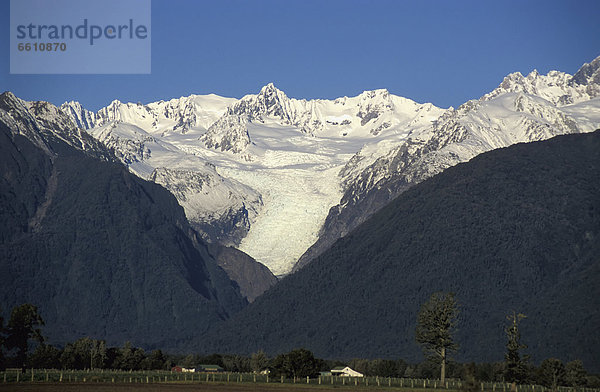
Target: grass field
(53, 380)
(171, 387)
(246, 381)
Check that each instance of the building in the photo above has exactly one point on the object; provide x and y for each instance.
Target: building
(180, 369)
(210, 368)
(345, 371)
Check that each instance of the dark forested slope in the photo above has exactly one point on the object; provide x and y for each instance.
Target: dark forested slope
(101, 252)
(513, 229)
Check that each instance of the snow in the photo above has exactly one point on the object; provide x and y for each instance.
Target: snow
(554, 87)
(286, 162)
(277, 157)
(586, 114)
(296, 205)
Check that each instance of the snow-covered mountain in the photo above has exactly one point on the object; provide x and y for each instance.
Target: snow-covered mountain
(370, 113)
(272, 175)
(140, 136)
(557, 87)
(264, 174)
(218, 207)
(42, 122)
(82, 117)
(521, 109)
(176, 115)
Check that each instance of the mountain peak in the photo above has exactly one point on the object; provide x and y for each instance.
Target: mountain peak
(269, 102)
(377, 93)
(71, 103)
(270, 90)
(557, 87)
(269, 87)
(9, 101)
(8, 96)
(14, 112)
(589, 73)
(533, 74)
(82, 117)
(514, 77)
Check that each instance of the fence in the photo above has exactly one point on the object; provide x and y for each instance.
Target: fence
(147, 377)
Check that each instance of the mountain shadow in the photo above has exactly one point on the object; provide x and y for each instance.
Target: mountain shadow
(101, 252)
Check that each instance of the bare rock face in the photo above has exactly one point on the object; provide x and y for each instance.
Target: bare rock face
(228, 134)
(252, 277)
(588, 76)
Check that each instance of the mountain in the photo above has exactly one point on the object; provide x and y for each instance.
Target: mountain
(282, 178)
(217, 207)
(512, 229)
(521, 109)
(266, 161)
(178, 115)
(373, 111)
(100, 251)
(82, 117)
(291, 151)
(588, 76)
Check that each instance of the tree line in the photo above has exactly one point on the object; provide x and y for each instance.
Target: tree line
(437, 324)
(22, 345)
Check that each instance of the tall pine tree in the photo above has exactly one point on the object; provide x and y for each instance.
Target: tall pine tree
(436, 325)
(22, 327)
(515, 365)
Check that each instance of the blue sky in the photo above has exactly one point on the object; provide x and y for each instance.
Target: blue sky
(444, 52)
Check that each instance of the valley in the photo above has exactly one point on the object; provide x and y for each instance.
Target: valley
(185, 210)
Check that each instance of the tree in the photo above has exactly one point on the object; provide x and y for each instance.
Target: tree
(155, 361)
(79, 354)
(401, 366)
(436, 325)
(98, 355)
(469, 378)
(130, 358)
(515, 366)
(189, 361)
(237, 363)
(45, 357)
(386, 368)
(297, 363)
(2, 338)
(551, 373)
(489, 372)
(23, 326)
(259, 361)
(575, 374)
